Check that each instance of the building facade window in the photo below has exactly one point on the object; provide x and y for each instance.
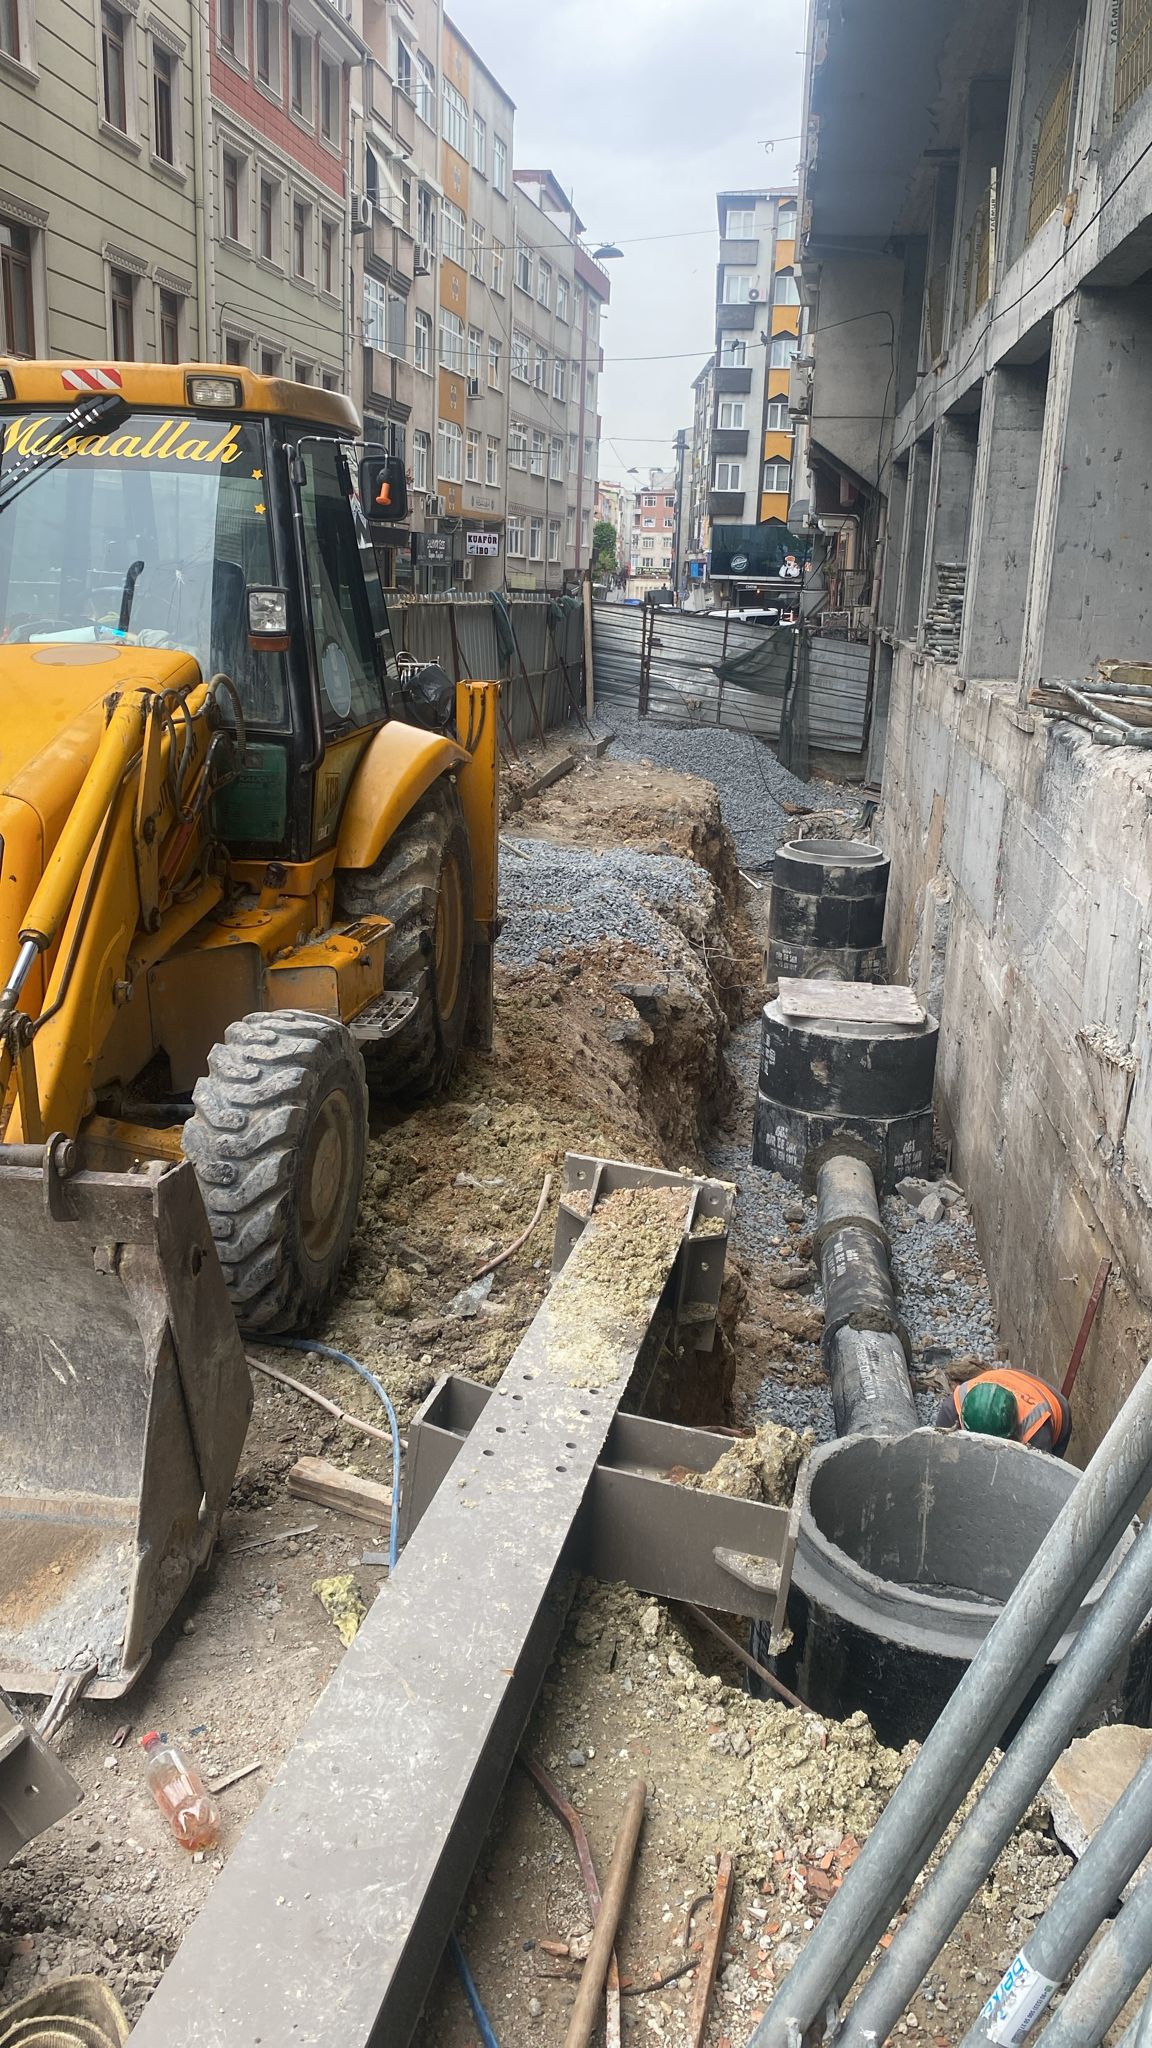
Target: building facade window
(449, 452)
(422, 341)
(268, 45)
(560, 380)
(783, 351)
(786, 224)
(524, 266)
(330, 102)
(269, 225)
(521, 361)
(472, 456)
(168, 311)
(777, 419)
(540, 368)
(426, 89)
(236, 350)
(165, 101)
(556, 459)
(475, 352)
(421, 449)
(17, 317)
(385, 319)
(543, 283)
(570, 526)
(479, 144)
(492, 461)
(562, 293)
(727, 477)
(455, 233)
(122, 314)
(115, 47)
(539, 449)
(451, 341)
(535, 538)
(738, 287)
(404, 69)
(553, 540)
(300, 74)
(517, 445)
(514, 541)
(301, 238)
(329, 245)
(499, 256)
(740, 224)
(777, 474)
(231, 185)
(478, 251)
(454, 126)
(230, 23)
(785, 290)
(495, 362)
(731, 413)
(733, 355)
(426, 218)
(500, 165)
(271, 362)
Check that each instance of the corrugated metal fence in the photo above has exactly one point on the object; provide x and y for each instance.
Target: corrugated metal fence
(543, 674)
(677, 674)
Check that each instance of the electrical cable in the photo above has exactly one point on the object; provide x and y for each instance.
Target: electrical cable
(345, 1358)
(487, 2033)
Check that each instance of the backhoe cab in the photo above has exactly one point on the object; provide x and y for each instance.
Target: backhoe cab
(240, 891)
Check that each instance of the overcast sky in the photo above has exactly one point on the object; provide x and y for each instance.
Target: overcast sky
(645, 109)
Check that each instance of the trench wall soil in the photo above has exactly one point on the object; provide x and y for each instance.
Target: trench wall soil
(1019, 906)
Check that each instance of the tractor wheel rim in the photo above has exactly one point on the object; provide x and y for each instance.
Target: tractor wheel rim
(325, 1174)
(449, 936)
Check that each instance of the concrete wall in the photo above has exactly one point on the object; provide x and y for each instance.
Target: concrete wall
(1021, 873)
(859, 321)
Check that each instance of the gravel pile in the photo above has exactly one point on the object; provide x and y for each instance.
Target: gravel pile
(753, 786)
(555, 897)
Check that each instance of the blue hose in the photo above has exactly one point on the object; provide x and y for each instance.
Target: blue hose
(345, 1358)
(471, 1994)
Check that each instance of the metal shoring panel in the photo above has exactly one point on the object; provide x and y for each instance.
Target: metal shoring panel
(330, 1919)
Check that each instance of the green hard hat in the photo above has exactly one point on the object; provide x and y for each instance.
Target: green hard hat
(989, 1408)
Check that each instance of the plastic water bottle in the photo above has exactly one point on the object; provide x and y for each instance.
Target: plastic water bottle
(181, 1794)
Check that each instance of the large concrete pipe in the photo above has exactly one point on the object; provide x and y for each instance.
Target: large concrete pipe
(826, 918)
(830, 1084)
(865, 1343)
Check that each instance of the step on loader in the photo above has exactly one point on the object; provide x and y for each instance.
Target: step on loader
(247, 882)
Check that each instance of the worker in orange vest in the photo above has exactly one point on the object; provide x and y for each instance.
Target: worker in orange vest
(1002, 1402)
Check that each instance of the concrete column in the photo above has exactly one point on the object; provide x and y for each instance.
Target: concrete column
(1047, 487)
(1091, 593)
(1003, 508)
(950, 497)
(912, 540)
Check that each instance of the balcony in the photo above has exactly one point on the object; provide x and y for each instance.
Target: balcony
(729, 441)
(746, 254)
(732, 383)
(403, 120)
(737, 318)
(726, 505)
(388, 380)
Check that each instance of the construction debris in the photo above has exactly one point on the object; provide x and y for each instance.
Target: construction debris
(1084, 1786)
(340, 1598)
(330, 1487)
(760, 1467)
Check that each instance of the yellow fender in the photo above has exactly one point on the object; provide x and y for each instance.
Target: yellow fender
(398, 765)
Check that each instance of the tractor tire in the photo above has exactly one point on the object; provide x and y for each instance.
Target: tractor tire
(278, 1138)
(422, 882)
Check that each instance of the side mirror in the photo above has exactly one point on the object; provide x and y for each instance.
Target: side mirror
(383, 489)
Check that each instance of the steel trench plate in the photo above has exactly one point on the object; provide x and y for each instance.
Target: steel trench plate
(329, 1921)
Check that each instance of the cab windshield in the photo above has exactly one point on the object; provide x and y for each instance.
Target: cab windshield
(147, 536)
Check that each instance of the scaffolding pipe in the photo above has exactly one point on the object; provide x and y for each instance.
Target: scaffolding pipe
(1109, 1977)
(1058, 1940)
(1090, 1890)
(1139, 2034)
(1011, 1659)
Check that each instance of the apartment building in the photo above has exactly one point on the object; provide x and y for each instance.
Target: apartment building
(276, 189)
(742, 437)
(616, 503)
(557, 297)
(100, 249)
(653, 539)
(978, 223)
(697, 518)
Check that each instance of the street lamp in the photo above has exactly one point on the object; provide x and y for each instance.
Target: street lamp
(606, 252)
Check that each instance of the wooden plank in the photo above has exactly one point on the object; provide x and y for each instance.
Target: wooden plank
(855, 1002)
(713, 1948)
(365, 1499)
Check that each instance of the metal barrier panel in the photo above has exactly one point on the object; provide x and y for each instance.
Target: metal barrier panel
(684, 688)
(460, 633)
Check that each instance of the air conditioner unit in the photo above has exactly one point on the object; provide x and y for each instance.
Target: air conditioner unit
(754, 293)
(473, 387)
(466, 568)
(422, 265)
(361, 213)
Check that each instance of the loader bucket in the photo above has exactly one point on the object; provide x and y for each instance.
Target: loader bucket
(126, 1399)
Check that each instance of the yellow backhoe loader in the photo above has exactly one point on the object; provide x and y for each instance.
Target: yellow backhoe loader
(247, 880)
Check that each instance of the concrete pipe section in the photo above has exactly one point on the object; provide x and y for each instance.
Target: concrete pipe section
(908, 1546)
(826, 919)
(831, 1084)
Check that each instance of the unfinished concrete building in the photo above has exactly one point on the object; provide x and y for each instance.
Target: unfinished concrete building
(977, 206)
